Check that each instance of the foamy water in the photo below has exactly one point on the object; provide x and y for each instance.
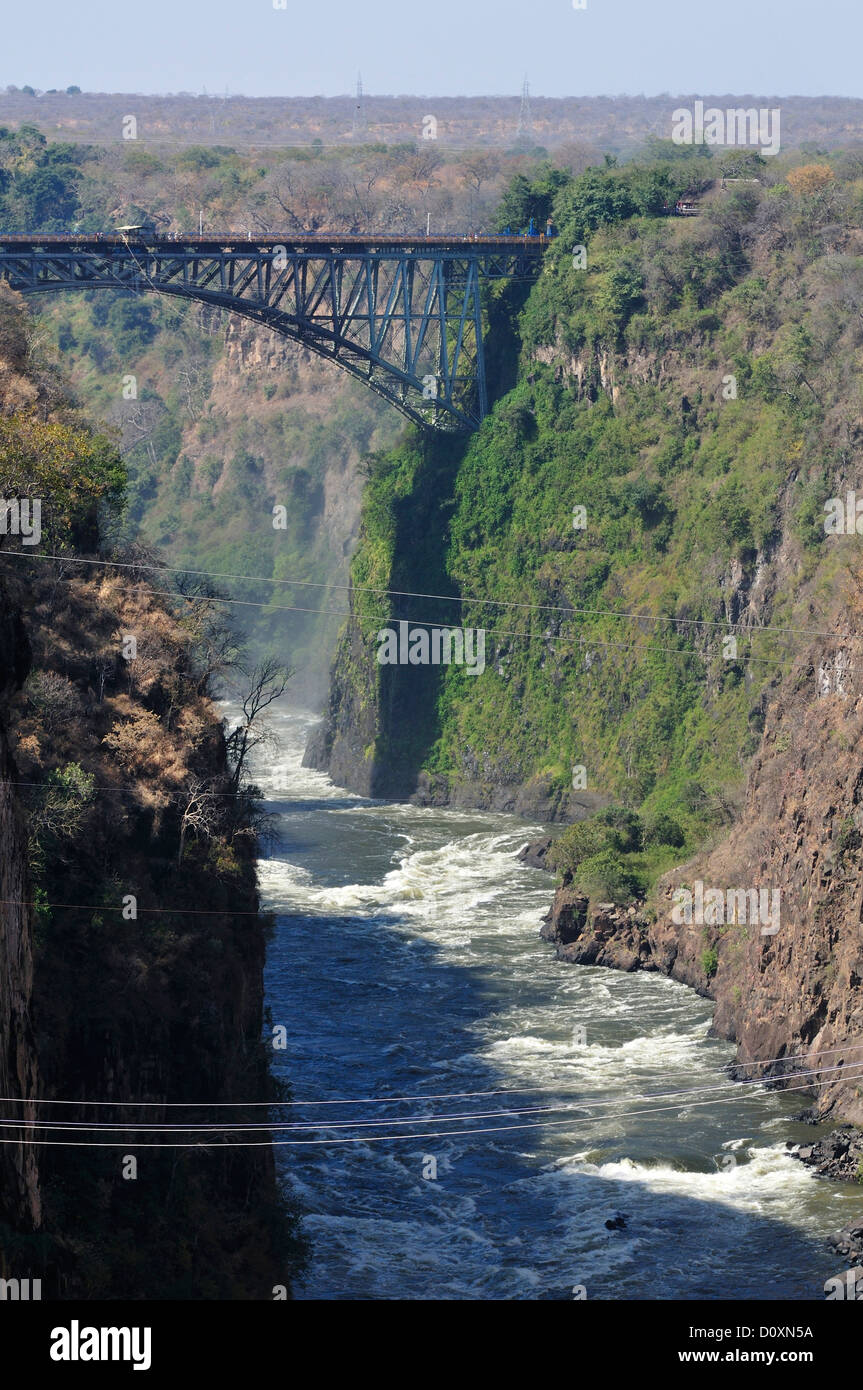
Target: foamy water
(407, 962)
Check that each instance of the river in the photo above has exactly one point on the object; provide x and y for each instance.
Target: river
(406, 963)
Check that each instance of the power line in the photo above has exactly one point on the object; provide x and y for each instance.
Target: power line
(121, 791)
(162, 911)
(386, 619)
(374, 1138)
(492, 633)
(440, 1095)
(82, 1126)
(567, 610)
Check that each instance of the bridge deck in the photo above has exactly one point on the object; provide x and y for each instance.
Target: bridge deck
(326, 242)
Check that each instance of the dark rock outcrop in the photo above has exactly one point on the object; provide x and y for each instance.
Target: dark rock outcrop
(539, 798)
(598, 934)
(535, 854)
(849, 1242)
(20, 1197)
(838, 1156)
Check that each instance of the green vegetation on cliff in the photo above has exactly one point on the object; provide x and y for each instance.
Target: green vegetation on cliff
(696, 389)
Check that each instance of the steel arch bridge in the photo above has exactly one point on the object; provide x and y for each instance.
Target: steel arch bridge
(403, 314)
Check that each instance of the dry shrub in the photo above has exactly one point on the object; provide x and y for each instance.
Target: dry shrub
(29, 751)
(135, 742)
(809, 178)
(55, 701)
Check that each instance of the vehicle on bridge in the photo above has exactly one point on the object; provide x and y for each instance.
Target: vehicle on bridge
(144, 231)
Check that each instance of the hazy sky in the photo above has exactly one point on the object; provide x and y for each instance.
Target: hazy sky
(437, 47)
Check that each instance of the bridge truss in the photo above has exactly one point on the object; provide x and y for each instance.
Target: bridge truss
(403, 315)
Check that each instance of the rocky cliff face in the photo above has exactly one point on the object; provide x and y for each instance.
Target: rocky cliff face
(20, 1196)
(793, 993)
(101, 749)
(796, 991)
(161, 1008)
(343, 743)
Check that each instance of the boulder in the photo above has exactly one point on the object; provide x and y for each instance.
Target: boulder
(534, 853)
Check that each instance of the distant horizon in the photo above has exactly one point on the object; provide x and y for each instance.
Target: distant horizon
(602, 48)
(17, 89)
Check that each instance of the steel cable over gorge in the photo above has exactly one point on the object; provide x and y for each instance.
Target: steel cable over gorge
(403, 314)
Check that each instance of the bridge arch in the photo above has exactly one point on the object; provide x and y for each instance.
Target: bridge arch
(404, 315)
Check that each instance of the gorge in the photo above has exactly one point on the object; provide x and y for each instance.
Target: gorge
(669, 694)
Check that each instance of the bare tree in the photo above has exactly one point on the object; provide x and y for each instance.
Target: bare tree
(215, 643)
(201, 814)
(139, 421)
(290, 192)
(365, 202)
(421, 164)
(267, 683)
(194, 379)
(479, 166)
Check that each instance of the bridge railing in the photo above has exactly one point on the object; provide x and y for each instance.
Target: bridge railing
(315, 239)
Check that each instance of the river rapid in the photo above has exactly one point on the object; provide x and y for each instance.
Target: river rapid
(406, 962)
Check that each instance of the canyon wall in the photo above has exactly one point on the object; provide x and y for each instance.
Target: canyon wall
(131, 941)
(671, 627)
(20, 1196)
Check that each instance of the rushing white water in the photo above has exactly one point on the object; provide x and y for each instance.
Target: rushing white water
(407, 962)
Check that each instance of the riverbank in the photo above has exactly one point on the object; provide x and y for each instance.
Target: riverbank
(340, 750)
(628, 938)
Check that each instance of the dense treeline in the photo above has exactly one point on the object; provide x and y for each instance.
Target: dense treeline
(40, 183)
(620, 123)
